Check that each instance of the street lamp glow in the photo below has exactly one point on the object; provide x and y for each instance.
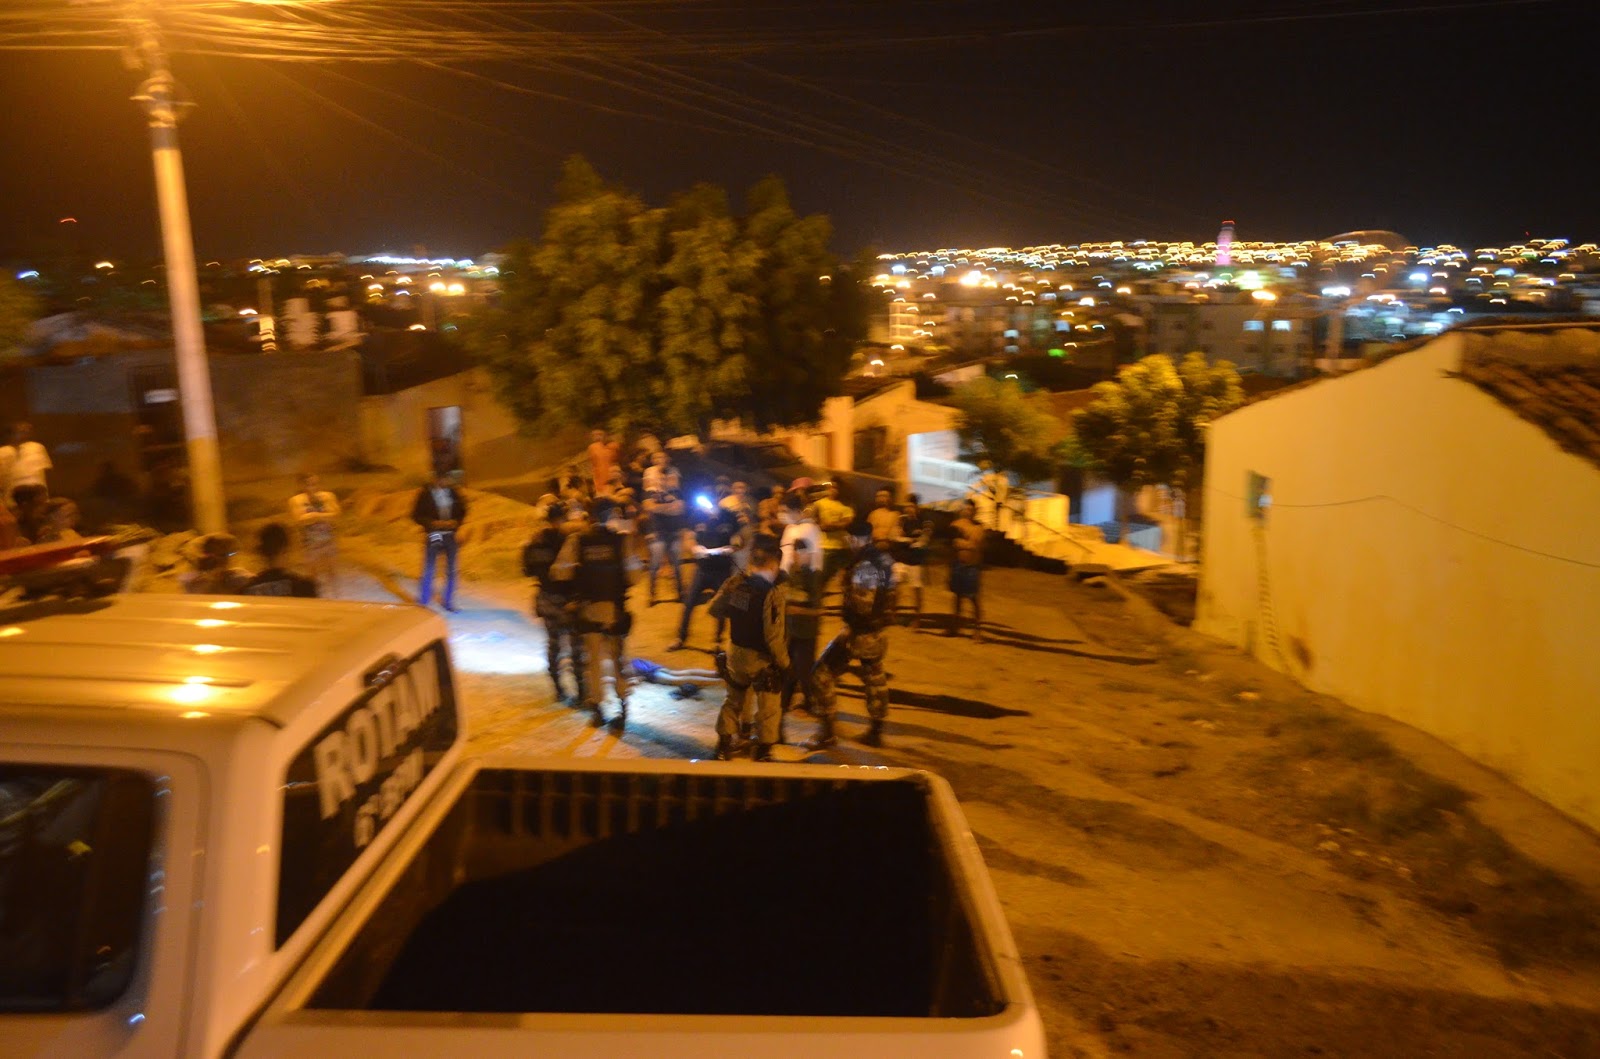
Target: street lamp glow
(1264, 296)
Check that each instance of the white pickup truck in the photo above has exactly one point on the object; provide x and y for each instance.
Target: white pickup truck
(237, 827)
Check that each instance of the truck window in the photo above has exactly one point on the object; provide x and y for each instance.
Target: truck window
(351, 778)
(74, 856)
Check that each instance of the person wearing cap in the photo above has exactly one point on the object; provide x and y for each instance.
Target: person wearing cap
(754, 602)
(867, 608)
(214, 573)
(552, 598)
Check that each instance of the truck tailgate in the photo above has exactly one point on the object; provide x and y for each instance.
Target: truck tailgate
(662, 908)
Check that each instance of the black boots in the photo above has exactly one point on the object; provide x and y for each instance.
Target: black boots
(825, 737)
(873, 736)
(763, 752)
(724, 748)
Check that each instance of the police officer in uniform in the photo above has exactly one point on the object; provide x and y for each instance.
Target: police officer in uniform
(754, 602)
(552, 599)
(597, 558)
(867, 609)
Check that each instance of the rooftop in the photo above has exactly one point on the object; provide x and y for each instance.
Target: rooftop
(1548, 376)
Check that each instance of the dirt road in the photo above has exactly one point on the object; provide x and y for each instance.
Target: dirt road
(1197, 857)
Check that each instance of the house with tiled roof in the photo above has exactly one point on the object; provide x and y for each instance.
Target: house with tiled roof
(1421, 538)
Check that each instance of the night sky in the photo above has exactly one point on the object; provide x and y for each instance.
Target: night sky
(913, 123)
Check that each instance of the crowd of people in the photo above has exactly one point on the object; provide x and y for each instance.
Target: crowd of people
(762, 568)
(761, 565)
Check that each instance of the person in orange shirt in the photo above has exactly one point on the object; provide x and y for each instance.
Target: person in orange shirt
(603, 457)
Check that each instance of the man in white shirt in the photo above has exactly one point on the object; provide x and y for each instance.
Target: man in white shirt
(800, 525)
(25, 459)
(661, 475)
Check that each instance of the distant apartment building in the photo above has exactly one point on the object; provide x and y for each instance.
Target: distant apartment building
(1270, 337)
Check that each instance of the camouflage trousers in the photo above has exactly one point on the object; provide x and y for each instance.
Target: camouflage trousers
(560, 633)
(751, 673)
(867, 648)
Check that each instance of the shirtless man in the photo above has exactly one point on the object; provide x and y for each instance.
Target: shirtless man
(966, 566)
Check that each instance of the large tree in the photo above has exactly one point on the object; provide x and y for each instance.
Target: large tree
(997, 423)
(637, 317)
(573, 338)
(1148, 426)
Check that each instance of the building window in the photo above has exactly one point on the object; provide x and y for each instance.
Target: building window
(1258, 494)
(1283, 325)
(1254, 325)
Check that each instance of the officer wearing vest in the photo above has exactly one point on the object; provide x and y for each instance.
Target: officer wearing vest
(867, 609)
(754, 602)
(596, 557)
(552, 599)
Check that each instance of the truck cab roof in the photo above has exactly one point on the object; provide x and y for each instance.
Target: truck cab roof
(184, 657)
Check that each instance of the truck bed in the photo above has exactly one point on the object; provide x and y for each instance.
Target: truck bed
(674, 894)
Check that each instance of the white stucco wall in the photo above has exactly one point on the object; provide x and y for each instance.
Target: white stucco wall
(1402, 564)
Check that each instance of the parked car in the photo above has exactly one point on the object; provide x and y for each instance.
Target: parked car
(764, 464)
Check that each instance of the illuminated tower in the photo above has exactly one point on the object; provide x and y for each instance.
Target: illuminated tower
(1225, 245)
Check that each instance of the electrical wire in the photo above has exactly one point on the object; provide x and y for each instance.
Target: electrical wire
(1375, 497)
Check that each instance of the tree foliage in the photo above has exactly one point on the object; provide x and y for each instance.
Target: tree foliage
(1148, 426)
(996, 422)
(18, 309)
(635, 316)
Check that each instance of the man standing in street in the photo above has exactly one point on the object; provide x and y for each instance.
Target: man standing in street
(966, 566)
(661, 474)
(439, 509)
(911, 553)
(867, 609)
(833, 518)
(596, 558)
(883, 521)
(801, 561)
(754, 602)
(715, 541)
(316, 511)
(662, 520)
(552, 599)
(769, 512)
(26, 460)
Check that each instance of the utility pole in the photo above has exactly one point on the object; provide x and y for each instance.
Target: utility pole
(158, 96)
